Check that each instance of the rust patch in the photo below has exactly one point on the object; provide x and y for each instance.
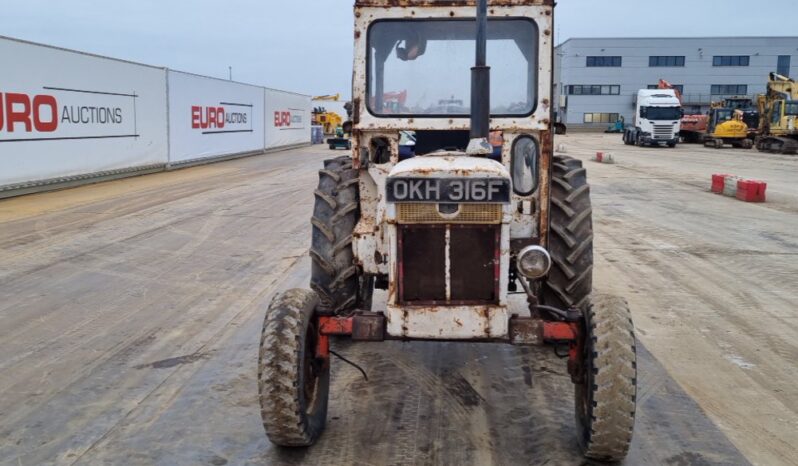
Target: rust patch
(526, 331)
(356, 111)
(546, 152)
(486, 316)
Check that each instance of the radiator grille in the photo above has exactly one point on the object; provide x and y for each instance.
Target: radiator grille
(663, 131)
(447, 265)
(468, 214)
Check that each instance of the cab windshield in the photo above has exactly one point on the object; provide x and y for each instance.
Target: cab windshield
(663, 113)
(791, 108)
(423, 67)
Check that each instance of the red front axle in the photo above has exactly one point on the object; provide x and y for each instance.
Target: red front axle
(558, 333)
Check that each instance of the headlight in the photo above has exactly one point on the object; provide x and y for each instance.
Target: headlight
(525, 165)
(534, 262)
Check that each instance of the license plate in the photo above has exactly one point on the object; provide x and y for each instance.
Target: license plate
(448, 190)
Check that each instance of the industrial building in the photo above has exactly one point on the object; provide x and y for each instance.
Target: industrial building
(597, 79)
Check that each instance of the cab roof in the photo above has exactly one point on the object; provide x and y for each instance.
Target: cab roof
(439, 3)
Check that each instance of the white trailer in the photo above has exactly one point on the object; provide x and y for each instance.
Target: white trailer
(657, 119)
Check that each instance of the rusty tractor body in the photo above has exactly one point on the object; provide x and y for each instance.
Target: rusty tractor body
(451, 198)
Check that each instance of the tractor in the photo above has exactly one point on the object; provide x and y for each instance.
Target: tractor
(453, 229)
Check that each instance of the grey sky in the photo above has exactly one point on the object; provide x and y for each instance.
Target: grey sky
(306, 45)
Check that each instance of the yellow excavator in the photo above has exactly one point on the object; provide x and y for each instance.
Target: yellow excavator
(778, 123)
(330, 121)
(726, 126)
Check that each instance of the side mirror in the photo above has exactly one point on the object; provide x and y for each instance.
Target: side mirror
(347, 126)
(413, 48)
(643, 112)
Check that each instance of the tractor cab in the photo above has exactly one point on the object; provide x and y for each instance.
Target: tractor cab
(481, 147)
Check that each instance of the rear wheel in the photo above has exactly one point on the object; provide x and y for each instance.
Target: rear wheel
(570, 280)
(293, 385)
(334, 275)
(605, 400)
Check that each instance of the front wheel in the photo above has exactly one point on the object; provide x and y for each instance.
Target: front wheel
(293, 384)
(605, 400)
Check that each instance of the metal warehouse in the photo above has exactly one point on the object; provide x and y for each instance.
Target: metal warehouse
(597, 79)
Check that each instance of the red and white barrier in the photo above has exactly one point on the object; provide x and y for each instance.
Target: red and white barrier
(739, 188)
(603, 157)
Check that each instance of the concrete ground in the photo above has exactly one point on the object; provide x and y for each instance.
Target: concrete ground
(130, 313)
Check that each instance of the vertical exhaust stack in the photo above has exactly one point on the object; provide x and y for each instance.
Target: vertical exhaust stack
(480, 88)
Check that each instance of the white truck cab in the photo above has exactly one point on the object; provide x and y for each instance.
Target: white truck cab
(657, 119)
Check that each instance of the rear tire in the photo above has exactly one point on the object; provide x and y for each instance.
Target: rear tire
(293, 385)
(605, 401)
(334, 275)
(570, 280)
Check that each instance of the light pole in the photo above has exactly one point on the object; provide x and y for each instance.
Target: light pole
(230, 70)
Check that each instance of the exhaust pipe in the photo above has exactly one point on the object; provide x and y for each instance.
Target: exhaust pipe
(480, 88)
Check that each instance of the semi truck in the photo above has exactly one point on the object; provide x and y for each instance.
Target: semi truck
(657, 119)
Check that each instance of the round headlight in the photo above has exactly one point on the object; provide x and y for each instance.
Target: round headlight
(525, 165)
(534, 262)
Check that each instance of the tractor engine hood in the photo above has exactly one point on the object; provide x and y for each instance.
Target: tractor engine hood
(449, 165)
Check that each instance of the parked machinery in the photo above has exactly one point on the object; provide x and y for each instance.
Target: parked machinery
(657, 119)
(693, 126)
(778, 123)
(456, 226)
(330, 121)
(726, 126)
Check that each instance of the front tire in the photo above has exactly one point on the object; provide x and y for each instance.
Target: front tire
(293, 385)
(605, 401)
(570, 280)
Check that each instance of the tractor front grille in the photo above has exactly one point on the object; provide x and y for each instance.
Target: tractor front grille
(448, 264)
(466, 214)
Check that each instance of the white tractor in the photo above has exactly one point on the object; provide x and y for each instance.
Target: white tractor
(453, 223)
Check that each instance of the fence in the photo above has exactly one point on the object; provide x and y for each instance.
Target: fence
(67, 117)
